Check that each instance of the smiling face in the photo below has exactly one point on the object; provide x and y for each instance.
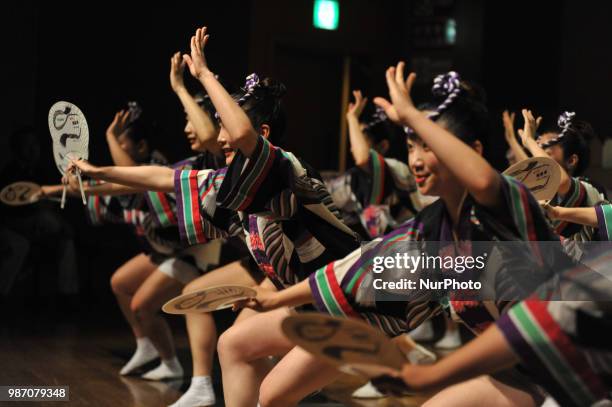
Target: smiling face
(227, 150)
(429, 173)
(432, 177)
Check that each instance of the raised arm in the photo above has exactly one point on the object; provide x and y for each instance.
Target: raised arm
(460, 158)
(241, 133)
(202, 123)
(510, 136)
(527, 134)
(114, 130)
(143, 177)
(359, 143)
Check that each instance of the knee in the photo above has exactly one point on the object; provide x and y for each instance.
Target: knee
(117, 284)
(141, 308)
(190, 287)
(231, 346)
(269, 396)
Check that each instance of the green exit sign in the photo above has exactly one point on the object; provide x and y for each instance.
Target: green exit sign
(326, 14)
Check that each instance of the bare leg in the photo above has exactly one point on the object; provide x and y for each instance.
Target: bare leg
(124, 283)
(146, 304)
(243, 351)
(481, 391)
(296, 376)
(201, 327)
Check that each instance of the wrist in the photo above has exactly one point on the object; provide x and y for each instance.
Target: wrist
(409, 115)
(205, 75)
(179, 89)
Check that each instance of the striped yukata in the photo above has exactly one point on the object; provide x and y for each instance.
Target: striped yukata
(156, 239)
(125, 209)
(290, 223)
(566, 345)
(344, 287)
(581, 194)
(373, 201)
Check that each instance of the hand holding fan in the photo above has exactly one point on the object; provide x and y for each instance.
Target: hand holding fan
(70, 135)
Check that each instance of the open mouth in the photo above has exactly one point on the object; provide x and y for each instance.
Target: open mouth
(420, 179)
(227, 151)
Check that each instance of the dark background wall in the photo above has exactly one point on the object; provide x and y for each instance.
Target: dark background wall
(550, 56)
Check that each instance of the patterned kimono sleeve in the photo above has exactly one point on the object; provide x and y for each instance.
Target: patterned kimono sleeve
(102, 208)
(271, 183)
(604, 221)
(199, 218)
(326, 288)
(344, 288)
(162, 205)
(550, 354)
(251, 181)
(388, 176)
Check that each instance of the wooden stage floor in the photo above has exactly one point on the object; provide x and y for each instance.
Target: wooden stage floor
(87, 357)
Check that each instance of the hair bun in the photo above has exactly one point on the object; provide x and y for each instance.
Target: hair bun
(565, 120)
(135, 111)
(274, 87)
(446, 84)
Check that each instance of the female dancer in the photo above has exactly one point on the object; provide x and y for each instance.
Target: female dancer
(476, 204)
(275, 200)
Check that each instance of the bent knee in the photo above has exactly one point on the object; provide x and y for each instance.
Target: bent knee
(270, 396)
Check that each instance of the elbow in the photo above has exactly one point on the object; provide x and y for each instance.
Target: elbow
(361, 158)
(245, 133)
(487, 184)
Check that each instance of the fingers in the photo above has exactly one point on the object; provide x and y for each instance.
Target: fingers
(238, 305)
(410, 81)
(383, 103)
(538, 121)
(187, 59)
(525, 115)
(193, 46)
(399, 74)
(390, 77)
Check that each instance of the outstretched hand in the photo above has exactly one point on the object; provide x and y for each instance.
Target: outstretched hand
(356, 108)
(84, 166)
(400, 106)
(177, 69)
(196, 60)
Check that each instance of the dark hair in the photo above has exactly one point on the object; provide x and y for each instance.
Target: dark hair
(574, 137)
(203, 100)
(262, 103)
(466, 116)
(577, 140)
(139, 127)
(394, 134)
